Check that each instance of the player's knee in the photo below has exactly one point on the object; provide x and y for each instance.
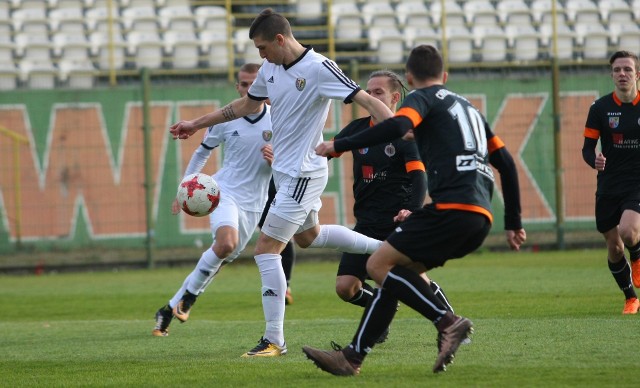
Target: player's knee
(223, 249)
(304, 239)
(629, 237)
(345, 293)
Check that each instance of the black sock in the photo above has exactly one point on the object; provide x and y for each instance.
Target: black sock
(634, 252)
(622, 274)
(377, 316)
(411, 289)
(288, 259)
(362, 297)
(441, 295)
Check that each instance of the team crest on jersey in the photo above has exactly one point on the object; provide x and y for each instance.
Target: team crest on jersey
(301, 83)
(363, 151)
(614, 122)
(267, 135)
(390, 150)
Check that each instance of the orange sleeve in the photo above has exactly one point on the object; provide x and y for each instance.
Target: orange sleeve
(495, 143)
(411, 114)
(591, 133)
(415, 165)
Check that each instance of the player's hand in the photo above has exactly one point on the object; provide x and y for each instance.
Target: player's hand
(515, 238)
(182, 129)
(325, 148)
(600, 162)
(175, 207)
(402, 215)
(267, 153)
(409, 135)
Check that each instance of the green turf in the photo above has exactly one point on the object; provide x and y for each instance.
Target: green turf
(541, 319)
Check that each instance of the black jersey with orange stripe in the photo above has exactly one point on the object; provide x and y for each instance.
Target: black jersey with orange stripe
(454, 141)
(381, 182)
(617, 125)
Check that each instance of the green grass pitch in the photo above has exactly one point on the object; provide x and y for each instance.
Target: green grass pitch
(541, 319)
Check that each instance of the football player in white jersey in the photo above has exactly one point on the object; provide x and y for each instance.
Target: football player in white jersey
(300, 85)
(244, 181)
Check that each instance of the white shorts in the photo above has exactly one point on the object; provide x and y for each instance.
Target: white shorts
(229, 214)
(295, 206)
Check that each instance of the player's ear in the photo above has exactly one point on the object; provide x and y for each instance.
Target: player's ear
(395, 97)
(445, 76)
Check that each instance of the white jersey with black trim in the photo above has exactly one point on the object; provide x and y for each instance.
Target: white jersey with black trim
(300, 95)
(244, 174)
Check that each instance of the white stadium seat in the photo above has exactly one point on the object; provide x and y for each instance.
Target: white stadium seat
(146, 48)
(480, 12)
(582, 11)
(629, 38)
(246, 50)
(416, 36)
(213, 45)
(177, 18)
(388, 43)
(514, 12)
(524, 41)
(594, 39)
(492, 41)
(347, 21)
(453, 11)
(565, 43)
(211, 18)
(140, 19)
(108, 52)
(378, 15)
(183, 49)
(8, 76)
(460, 44)
(413, 14)
(31, 20)
(67, 20)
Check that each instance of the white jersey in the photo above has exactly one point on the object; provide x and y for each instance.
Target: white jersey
(300, 96)
(244, 174)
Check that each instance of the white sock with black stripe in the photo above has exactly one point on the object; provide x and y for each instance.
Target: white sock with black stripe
(274, 287)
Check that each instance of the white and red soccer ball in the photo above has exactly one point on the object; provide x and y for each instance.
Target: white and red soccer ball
(198, 195)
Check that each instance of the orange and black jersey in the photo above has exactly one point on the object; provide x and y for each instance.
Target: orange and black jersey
(456, 145)
(617, 125)
(387, 177)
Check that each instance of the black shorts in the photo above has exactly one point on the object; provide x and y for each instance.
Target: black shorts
(432, 237)
(355, 264)
(609, 209)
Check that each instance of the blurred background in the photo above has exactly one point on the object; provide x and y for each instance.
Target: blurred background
(88, 89)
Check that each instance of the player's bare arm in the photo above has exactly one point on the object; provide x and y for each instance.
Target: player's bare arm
(376, 108)
(243, 106)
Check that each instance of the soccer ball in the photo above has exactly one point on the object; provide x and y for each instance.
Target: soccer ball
(198, 195)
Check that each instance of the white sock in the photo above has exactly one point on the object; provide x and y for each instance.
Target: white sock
(274, 287)
(344, 239)
(205, 270)
(176, 298)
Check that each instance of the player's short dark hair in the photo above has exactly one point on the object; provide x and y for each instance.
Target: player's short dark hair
(268, 24)
(425, 62)
(395, 82)
(251, 68)
(625, 54)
